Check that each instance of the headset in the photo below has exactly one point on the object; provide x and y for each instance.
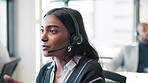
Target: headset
(76, 38)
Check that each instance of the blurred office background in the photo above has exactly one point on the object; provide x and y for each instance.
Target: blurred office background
(110, 24)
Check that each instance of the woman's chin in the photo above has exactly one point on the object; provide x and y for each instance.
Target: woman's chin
(46, 54)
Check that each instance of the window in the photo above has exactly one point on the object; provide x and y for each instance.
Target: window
(7, 25)
(3, 22)
(114, 26)
(143, 11)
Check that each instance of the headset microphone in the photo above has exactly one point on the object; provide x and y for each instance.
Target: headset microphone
(61, 48)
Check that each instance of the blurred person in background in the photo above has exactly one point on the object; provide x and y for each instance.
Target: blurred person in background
(133, 58)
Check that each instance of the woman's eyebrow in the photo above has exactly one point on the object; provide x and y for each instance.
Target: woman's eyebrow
(49, 26)
(52, 26)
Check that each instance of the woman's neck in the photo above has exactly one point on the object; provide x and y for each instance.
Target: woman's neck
(59, 66)
(61, 62)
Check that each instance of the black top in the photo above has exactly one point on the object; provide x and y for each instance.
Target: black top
(143, 58)
(86, 71)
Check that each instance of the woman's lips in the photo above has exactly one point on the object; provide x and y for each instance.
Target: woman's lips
(44, 47)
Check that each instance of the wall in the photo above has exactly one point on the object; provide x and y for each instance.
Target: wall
(24, 11)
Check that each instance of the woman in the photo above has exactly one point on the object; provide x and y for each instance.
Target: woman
(74, 59)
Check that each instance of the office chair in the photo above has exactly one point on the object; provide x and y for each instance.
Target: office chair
(9, 68)
(112, 77)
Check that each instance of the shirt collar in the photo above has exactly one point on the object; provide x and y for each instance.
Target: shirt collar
(70, 65)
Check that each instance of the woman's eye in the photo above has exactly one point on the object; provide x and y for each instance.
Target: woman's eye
(41, 30)
(53, 31)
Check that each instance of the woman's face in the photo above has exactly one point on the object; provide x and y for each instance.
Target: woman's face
(54, 35)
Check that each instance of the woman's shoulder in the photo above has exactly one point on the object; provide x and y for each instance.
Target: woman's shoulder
(46, 66)
(89, 70)
(43, 70)
(91, 64)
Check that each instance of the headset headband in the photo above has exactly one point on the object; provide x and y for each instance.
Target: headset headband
(79, 38)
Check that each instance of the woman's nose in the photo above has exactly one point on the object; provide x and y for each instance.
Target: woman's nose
(44, 38)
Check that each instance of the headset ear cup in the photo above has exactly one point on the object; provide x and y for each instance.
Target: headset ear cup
(77, 39)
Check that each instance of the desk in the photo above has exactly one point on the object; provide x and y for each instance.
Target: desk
(133, 77)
